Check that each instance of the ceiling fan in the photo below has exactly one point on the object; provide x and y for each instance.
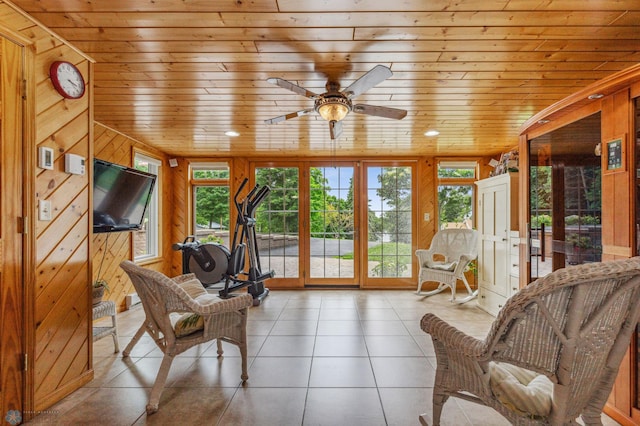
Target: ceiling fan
(334, 105)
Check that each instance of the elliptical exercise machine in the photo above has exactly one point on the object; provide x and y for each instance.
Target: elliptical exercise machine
(214, 263)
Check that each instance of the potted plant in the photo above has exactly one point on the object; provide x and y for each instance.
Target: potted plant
(575, 247)
(99, 287)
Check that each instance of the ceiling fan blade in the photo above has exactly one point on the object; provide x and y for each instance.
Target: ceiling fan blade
(289, 116)
(372, 78)
(380, 111)
(335, 129)
(292, 87)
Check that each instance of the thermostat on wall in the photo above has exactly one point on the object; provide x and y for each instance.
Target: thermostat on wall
(45, 158)
(73, 164)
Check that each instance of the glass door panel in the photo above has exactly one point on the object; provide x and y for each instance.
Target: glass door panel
(277, 221)
(389, 221)
(332, 252)
(565, 197)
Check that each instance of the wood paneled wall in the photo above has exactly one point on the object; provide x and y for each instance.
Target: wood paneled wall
(109, 145)
(618, 217)
(58, 314)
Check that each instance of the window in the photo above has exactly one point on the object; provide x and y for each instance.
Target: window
(206, 171)
(147, 240)
(211, 197)
(455, 194)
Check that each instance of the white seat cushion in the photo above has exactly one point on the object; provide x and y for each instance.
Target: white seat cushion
(521, 390)
(442, 266)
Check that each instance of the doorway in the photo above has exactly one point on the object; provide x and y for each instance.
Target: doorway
(565, 197)
(11, 232)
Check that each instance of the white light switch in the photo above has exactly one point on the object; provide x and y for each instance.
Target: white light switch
(44, 210)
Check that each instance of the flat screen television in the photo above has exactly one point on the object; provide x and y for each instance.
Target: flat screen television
(121, 196)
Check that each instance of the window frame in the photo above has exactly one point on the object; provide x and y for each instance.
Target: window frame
(457, 181)
(153, 228)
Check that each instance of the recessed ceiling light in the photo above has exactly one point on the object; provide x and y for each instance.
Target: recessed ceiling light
(596, 96)
(543, 121)
(232, 133)
(431, 133)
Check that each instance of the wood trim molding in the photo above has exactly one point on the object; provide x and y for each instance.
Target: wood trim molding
(606, 86)
(617, 250)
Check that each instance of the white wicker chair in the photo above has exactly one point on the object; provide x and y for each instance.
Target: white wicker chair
(224, 320)
(573, 327)
(455, 248)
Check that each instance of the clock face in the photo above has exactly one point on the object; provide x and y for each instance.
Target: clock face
(67, 79)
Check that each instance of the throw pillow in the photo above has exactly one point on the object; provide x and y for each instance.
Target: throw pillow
(521, 390)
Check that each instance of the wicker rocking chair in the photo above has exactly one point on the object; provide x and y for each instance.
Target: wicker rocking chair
(552, 353)
(445, 261)
(202, 317)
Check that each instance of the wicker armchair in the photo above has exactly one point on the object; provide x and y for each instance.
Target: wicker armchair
(202, 317)
(445, 261)
(570, 329)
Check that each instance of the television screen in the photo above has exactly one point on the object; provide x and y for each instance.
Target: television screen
(120, 197)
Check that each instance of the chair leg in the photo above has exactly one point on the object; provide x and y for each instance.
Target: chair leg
(220, 351)
(471, 293)
(243, 356)
(441, 287)
(158, 386)
(438, 403)
(133, 341)
(116, 344)
(592, 418)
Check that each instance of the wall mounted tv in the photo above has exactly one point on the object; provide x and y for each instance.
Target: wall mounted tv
(121, 196)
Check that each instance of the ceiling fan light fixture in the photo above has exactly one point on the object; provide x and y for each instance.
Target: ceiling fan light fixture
(333, 108)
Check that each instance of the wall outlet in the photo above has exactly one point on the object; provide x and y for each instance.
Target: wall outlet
(427, 217)
(44, 210)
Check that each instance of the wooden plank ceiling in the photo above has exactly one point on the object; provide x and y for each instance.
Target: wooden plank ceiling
(178, 74)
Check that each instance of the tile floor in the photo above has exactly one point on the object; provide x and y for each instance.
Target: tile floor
(317, 357)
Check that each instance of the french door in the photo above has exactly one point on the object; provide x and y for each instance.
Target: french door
(332, 239)
(334, 224)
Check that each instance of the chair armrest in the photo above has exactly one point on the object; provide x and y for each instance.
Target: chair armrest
(424, 256)
(183, 278)
(212, 304)
(451, 337)
(463, 262)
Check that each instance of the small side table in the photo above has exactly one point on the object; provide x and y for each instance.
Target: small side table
(106, 308)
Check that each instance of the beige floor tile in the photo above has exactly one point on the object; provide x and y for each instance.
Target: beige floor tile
(265, 406)
(200, 406)
(340, 346)
(295, 314)
(393, 346)
(403, 406)
(209, 372)
(337, 372)
(280, 372)
(403, 372)
(381, 314)
(339, 328)
(384, 328)
(343, 406)
(295, 328)
(287, 346)
(339, 314)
